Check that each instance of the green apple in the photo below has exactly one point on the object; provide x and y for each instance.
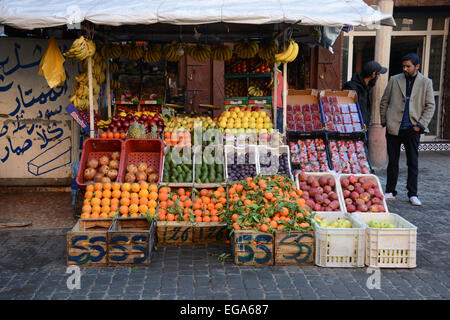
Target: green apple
(323, 223)
(346, 224)
(334, 224)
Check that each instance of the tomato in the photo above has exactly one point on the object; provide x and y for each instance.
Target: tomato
(116, 135)
(123, 135)
(110, 135)
(103, 135)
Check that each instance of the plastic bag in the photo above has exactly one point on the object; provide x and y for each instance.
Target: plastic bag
(51, 66)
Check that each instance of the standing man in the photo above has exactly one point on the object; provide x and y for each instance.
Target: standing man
(363, 82)
(406, 109)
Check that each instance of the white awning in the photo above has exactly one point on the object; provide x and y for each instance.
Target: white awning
(31, 14)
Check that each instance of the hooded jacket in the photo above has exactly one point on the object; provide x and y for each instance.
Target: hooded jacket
(363, 91)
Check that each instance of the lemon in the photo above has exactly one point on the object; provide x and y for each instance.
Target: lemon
(227, 114)
(252, 125)
(262, 114)
(266, 119)
(260, 120)
(259, 126)
(245, 125)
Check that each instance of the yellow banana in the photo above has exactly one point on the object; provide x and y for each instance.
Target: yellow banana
(293, 54)
(283, 55)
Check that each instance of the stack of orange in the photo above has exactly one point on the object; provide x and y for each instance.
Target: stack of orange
(174, 204)
(267, 204)
(209, 205)
(180, 138)
(127, 200)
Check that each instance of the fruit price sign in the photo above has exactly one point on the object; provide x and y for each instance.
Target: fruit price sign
(293, 248)
(253, 248)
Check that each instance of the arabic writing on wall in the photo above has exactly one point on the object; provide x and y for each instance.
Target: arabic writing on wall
(32, 120)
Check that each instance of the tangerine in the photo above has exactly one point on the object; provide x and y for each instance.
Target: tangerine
(135, 187)
(90, 187)
(98, 186)
(133, 208)
(126, 187)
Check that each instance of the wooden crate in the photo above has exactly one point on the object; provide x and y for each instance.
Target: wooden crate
(252, 248)
(294, 248)
(174, 232)
(87, 242)
(206, 232)
(130, 242)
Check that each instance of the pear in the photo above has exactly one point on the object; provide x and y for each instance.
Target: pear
(334, 224)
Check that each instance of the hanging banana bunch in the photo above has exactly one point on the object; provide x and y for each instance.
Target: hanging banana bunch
(81, 49)
(246, 49)
(133, 52)
(200, 52)
(171, 52)
(289, 54)
(111, 51)
(152, 53)
(267, 51)
(222, 53)
(114, 84)
(113, 68)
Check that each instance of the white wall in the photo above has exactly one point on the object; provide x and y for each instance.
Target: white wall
(36, 138)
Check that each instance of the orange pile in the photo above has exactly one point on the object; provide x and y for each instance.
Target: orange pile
(267, 204)
(125, 200)
(177, 138)
(177, 205)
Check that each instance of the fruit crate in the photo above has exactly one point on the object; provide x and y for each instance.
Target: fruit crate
(210, 232)
(357, 176)
(336, 188)
(331, 109)
(96, 148)
(340, 247)
(131, 242)
(174, 232)
(252, 248)
(293, 248)
(359, 138)
(87, 242)
(229, 151)
(168, 149)
(263, 159)
(218, 161)
(149, 151)
(389, 247)
(309, 161)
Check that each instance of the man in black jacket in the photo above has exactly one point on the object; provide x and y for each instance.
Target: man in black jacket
(363, 82)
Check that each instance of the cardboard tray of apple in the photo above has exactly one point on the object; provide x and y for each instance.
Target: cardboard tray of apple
(121, 122)
(362, 193)
(320, 191)
(391, 241)
(309, 152)
(340, 240)
(349, 155)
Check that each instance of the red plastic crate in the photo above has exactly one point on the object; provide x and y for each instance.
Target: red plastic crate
(96, 148)
(149, 151)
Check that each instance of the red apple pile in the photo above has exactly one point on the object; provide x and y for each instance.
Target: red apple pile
(319, 192)
(361, 194)
(122, 123)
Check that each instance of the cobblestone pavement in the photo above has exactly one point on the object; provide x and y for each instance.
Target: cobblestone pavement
(33, 262)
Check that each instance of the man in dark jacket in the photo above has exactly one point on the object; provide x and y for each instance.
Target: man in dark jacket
(363, 82)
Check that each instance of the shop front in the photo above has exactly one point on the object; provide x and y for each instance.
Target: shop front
(425, 35)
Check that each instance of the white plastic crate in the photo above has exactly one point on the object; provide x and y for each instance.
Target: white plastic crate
(340, 247)
(389, 247)
(263, 149)
(230, 150)
(337, 187)
(371, 176)
(197, 157)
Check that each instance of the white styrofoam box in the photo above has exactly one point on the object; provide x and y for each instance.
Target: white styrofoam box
(337, 187)
(230, 150)
(389, 247)
(371, 176)
(262, 149)
(340, 247)
(167, 149)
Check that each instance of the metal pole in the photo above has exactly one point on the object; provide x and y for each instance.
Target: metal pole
(275, 95)
(108, 90)
(91, 99)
